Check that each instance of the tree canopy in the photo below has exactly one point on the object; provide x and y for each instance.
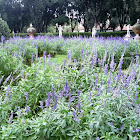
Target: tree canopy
(42, 13)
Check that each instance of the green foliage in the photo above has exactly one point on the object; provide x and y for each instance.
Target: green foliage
(109, 115)
(4, 29)
(61, 20)
(85, 34)
(113, 23)
(7, 63)
(88, 98)
(51, 29)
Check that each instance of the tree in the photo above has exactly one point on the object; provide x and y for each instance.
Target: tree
(113, 23)
(122, 9)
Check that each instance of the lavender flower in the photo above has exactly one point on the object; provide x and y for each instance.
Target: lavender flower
(110, 123)
(99, 91)
(74, 115)
(27, 109)
(112, 65)
(82, 52)
(1, 79)
(135, 99)
(47, 102)
(44, 57)
(96, 80)
(109, 81)
(7, 91)
(136, 130)
(15, 54)
(122, 128)
(79, 93)
(11, 118)
(69, 55)
(26, 95)
(92, 63)
(61, 94)
(19, 109)
(79, 107)
(90, 96)
(7, 79)
(41, 104)
(55, 105)
(97, 138)
(66, 88)
(10, 97)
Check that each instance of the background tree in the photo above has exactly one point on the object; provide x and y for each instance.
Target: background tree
(43, 13)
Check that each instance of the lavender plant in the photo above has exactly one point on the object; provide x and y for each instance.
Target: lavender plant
(98, 101)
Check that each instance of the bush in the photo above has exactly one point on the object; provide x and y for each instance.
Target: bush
(74, 46)
(4, 29)
(7, 63)
(106, 106)
(85, 34)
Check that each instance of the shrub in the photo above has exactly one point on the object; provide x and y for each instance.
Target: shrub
(7, 63)
(90, 105)
(4, 29)
(85, 34)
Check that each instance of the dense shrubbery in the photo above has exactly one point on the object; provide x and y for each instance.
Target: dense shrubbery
(74, 47)
(85, 34)
(4, 29)
(88, 96)
(7, 63)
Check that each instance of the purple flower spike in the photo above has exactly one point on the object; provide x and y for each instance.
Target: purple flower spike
(2, 38)
(10, 97)
(61, 94)
(41, 104)
(137, 130)
(69, 55)
(44, 57)
(79, 107)
(74, 115)
(79, 93)
(11, 118)
(110, 123)
(1, 79)
(27, 109)
(70, 99)
(7, 91)
(82, 52)
(47, 102)
(26, 96)
(55, 105)
(97, 138)
(19, 109)
(66, 88)
(92, 62)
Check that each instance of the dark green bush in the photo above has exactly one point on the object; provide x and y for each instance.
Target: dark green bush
(84, 34)
(4, 29)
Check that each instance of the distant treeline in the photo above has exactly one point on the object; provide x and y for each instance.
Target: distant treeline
(44, 13)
